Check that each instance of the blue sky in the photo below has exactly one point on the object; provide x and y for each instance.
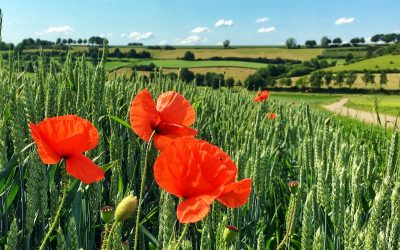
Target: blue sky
(203, 22)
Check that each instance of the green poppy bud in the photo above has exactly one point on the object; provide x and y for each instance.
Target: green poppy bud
(293, 186)
(106, 214)
(230, 233)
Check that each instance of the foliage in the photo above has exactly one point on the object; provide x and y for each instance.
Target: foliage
(291, 43)
(348, 191)
(188, 56)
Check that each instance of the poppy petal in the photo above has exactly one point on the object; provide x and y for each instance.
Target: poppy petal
(84, 169)
(166, 133)
(226, 166)
(169, 168)
(194, 209)
(236, 193)
(143, 115)
(68, 134)
(47, 155)
(174, 108)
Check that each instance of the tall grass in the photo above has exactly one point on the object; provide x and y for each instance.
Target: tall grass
(348, 193)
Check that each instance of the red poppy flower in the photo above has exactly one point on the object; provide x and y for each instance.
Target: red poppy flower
(170, 117)
(199, 173)
(271, 115)
(261, 96)
(68, 137)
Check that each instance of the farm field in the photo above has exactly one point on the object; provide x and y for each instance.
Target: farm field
(377, 63)
(200, 125)
(337, 197)
(386, 104)
(251, 52)
(238, 74)
(173, 63)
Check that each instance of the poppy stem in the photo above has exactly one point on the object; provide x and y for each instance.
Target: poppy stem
(182, 236)
(144, 172)
(55, 221)
(107, 239)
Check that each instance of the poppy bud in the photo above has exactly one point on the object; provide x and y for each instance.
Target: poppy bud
(293, 186)
(230, 233)
(126, 208)
(125, 245)
(106, 214)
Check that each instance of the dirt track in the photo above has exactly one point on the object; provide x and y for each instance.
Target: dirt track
(339, 108)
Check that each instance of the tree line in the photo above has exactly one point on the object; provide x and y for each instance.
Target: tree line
(326, 42)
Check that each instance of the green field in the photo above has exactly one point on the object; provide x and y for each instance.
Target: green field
(387, 104)
(312, 99)
(170, 63)
(339, 197)
(377, 63)
(252, 52)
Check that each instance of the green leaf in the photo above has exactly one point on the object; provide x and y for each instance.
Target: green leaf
(148, 234)
(11, 195)
(107, 166)
(120, 121)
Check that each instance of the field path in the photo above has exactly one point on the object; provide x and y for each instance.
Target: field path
(339, 108)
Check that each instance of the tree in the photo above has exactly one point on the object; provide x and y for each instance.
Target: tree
(230, 82)
(188, 56)
(291, 43)
(351, 77)
(311, 43)
(217, 81)
(349, 57)
(118, 53)
(208, 78)
(368, 77)
(226, 44)
(199, 78)
(186, 75)
(389, 38)
(70, 41)
(84, 41)
(339, 78)
(355, 41)
(376, 38)
(64, 41)
(59, 41)
(325, 41)
(131, 53)
(316, 79)
(79, 41)
(383, 78)
(254, 82)
(337, 41)
(328, 78)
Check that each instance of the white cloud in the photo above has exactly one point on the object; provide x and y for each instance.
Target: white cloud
(344, 20)
(262, 20)
(138, 36)
(190, 40)
(223, 22)
(59, 29)
(266, 30)
(163, 42)
(200, 30)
